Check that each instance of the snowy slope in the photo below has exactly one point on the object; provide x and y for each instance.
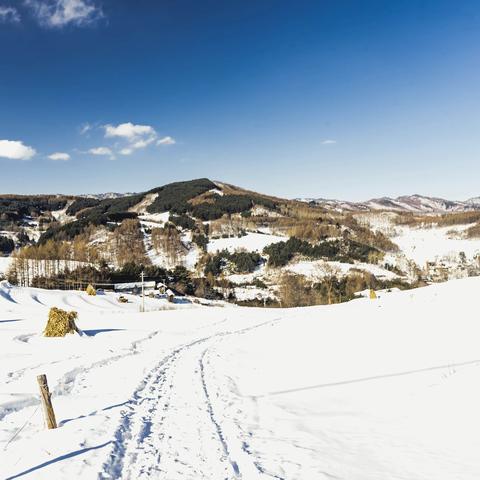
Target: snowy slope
(253, 242)
(368, 390)
(428, 244)
(313, 269)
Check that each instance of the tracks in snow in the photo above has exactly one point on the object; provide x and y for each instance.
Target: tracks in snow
(170, 430)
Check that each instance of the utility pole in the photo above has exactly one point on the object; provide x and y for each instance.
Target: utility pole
(143, 290)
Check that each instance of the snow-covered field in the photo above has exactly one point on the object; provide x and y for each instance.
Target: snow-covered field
(316, 269)
(368, 390)
(428, 244)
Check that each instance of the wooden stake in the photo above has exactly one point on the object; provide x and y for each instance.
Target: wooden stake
(45, 397)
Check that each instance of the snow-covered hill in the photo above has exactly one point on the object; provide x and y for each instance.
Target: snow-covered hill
(406, 203)
(366, 390)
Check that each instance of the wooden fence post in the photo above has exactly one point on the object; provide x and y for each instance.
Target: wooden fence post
(46, 402)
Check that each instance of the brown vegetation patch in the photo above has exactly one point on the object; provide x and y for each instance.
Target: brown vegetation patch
(60, 322)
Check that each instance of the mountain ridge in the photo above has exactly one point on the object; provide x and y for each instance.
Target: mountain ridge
(415, 203)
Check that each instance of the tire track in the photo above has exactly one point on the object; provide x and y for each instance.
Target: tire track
(169, 427)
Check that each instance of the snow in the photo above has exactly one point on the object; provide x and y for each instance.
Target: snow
(253, 242)
(153, 219)
(366, 390)
(313, 269)
(4, 264)
(428, 244)
(61, 215)
(147, 200)
(251, 293)
(216, 191)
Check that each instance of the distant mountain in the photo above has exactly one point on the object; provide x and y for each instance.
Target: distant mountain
(474, 201)
(405, 203)
(107, 196)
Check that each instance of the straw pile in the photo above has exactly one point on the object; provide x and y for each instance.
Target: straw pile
(60, 322)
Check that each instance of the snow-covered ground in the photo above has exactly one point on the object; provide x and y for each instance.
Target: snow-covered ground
(428, 244)
(4, 264)
(316, 269)
(253, 242)
(367, 390)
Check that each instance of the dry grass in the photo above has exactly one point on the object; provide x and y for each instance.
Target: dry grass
(60, 322)
(473, 232)
(444, 220)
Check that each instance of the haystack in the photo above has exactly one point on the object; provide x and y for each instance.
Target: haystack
(91, 290)
(60, 322)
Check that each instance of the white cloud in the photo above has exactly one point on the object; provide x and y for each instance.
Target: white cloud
(59, 13)
(329, 142)
(136, 136)
(129, 131)
(84, 128)
(9, 14)
(16, 150)
(166, 141)
(100, 151)
(59, 156)
(142, 143)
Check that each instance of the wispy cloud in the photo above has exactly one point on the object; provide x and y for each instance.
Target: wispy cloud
(60, 13)
(166, 141)
(102, 151)
(9, 15)
(329, 142)
(84, 128)
(59, 156)
(16, 150)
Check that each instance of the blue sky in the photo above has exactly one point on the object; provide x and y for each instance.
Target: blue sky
(338, 99)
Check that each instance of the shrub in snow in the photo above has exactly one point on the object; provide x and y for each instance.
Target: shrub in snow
(60, 322)
(6, 245)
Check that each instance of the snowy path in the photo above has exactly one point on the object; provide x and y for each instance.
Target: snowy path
(170, 429)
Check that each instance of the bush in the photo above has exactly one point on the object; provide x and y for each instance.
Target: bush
(6, 245)
(183, 221)
(60, 322)
(201, 241)
(243, 262)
